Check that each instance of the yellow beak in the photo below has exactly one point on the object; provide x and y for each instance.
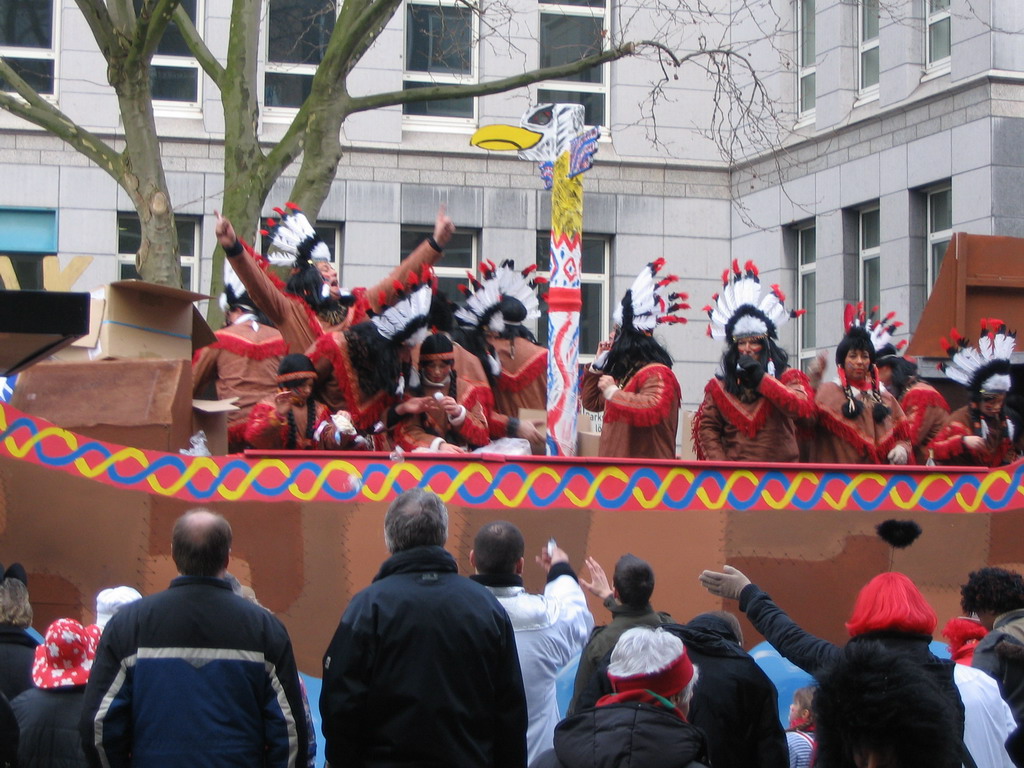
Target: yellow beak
(504, 138)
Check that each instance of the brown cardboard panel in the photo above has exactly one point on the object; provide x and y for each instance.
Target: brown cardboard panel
(211, 416)
(589, 444)
(143, 403)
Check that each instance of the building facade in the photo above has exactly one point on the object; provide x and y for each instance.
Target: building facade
(894, 124)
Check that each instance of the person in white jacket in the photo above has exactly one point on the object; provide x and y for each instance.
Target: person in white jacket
(550, 628)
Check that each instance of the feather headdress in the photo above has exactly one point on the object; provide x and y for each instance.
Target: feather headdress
(483, 300)
(234, 294)
(521, 286)
(646, 303)
(987, 368)
(406, 321)
(740, 311)
(293, 241)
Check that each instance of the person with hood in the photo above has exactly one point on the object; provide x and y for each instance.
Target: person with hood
(982, 433)
(889, 608)
(550, 629)
(17, 647)
(631, 380)
(756, 403)
(859, 421)
(644, 722)
(242, 362)
(48, 713)
(924, 406)
(312, 303)
(874, 710)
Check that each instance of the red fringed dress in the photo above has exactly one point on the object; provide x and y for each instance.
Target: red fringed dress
(839, 440)
(949, 444)
(727, 429)
(642, 418)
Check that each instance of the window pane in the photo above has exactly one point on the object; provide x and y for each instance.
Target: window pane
(592, 255)
(186, 237)
(458, 253)
(808, 244)
(299, 30)
(807, 33)
(174, 83)
(281, 90)
(938, 40)
(38, 73)
(872, 291)
(938, 253)
(807, 89)
(593, 103)
(438, 39)
(567, 39)
(869, 19)
(938, 5)
(940, 206)
(129, 234)
(437, 107)
(26, 23)
(808, 302)
(172, 43)
(127, 271)
(591, 3)
(870, 229)
(869, 68)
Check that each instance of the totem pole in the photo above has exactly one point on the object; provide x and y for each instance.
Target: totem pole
(554, 136)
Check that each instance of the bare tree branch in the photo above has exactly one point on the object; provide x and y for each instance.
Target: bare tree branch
(198, 46)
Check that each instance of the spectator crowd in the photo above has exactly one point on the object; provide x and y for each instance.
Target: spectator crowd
(430, 667)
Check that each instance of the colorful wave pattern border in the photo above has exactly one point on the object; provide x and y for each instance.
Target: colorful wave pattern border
(498, 484)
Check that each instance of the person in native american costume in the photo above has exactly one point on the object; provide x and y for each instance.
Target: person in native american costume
(312, 303)
(364, 369)
(983, 433)
(631, 380)
(491, 326)
(859, 421)
(291, 419)
(448, 413)
(243, 361)
(755, 404)
(924, 406)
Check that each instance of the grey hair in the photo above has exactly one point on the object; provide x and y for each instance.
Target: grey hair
(646, 650)
(15, 608)
(416, 518)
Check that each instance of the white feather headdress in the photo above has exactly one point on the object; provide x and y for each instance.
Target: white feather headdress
(646, 304)
(483, 300)
(293, 240)
(740, 311)
(406, 321)
(987, 368)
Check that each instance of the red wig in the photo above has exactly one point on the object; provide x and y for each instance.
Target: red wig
(890, 601)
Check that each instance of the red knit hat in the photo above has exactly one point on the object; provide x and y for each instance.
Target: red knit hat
(63, 660)
(666, 682)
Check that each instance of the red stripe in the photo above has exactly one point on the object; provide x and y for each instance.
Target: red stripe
(564, 299)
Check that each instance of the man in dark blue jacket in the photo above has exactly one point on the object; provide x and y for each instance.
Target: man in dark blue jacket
(423, 669)
(195, 676)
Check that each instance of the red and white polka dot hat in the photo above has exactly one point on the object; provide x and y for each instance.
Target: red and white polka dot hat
(63, 660)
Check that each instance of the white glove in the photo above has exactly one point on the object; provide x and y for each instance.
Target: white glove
(727, 583)
(898, 455)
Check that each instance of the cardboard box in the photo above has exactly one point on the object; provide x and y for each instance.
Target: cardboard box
(589, 444)
(211, 416)
(133, 318)
(141, 403)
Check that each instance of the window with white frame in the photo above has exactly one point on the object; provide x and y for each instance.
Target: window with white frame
(938, 32)
(174, 74)
(806, 295)
(805, 55)
(869, 242)
(569, 31)
(129, 239)
(30, 235)
(867, 37)
(26, 42)
(595, 287)
(297, 35)
(439, 50)
(940, 228)
(461, 254)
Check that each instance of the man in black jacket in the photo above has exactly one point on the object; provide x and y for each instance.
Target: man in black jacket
(423, 668)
